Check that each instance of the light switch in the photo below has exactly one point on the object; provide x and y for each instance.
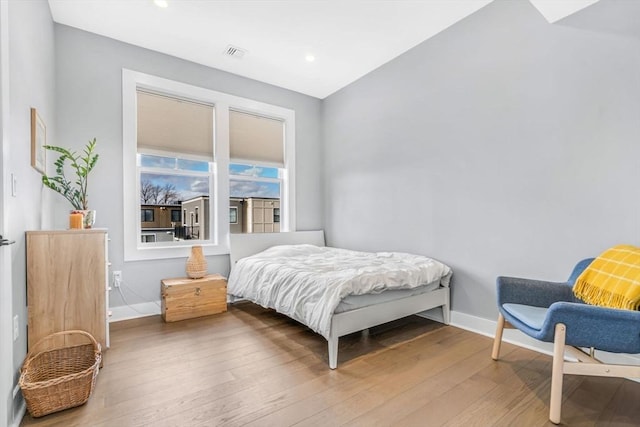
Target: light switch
(14, 185)
(16, 327)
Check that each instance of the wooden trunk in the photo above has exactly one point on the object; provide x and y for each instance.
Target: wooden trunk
(185, 298)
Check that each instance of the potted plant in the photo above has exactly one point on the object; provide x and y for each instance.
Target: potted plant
(75, 192)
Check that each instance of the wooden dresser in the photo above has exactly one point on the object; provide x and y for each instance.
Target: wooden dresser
(67, 283)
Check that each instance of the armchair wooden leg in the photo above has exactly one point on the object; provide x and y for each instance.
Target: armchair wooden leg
(495, 353)
(555, 402)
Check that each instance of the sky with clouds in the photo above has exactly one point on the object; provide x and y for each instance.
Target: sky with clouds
(193, 186)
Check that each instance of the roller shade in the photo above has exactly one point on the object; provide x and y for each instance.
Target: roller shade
(255, 138)
(174, 125)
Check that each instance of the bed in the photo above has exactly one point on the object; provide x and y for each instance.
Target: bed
(256, 276)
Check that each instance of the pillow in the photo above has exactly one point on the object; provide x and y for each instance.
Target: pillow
(612, 279)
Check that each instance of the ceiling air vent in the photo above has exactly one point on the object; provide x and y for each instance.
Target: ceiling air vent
(235, 52)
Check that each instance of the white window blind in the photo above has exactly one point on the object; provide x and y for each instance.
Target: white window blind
(174, 125)
(254, 138)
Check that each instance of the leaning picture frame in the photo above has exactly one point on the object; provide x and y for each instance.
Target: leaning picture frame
(38, 141)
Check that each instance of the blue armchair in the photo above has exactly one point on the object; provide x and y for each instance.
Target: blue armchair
(548, 311)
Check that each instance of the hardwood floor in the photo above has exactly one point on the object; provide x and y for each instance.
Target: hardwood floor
(250, 366)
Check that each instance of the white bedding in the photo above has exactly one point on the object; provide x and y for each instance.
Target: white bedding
(307, 282)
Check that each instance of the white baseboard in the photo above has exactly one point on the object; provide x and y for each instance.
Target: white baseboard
(513, 336)
(134, 311)
(19, 414)
(487, 328)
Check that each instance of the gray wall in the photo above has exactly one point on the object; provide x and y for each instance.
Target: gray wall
(502, 146)
(31, 75)
(89, 104)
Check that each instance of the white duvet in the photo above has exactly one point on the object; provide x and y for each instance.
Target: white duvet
(307, 282)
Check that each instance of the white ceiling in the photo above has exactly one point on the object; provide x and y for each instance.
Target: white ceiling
(348, 38)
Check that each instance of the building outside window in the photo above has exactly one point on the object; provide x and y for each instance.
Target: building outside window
(148, 238)
(197, 228)
(157, 220)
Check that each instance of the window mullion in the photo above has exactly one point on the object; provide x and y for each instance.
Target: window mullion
(220, 207)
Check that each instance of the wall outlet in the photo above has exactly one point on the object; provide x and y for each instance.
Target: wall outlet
(16, 327)
(117, 278)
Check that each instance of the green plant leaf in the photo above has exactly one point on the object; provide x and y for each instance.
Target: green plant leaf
(80, 164)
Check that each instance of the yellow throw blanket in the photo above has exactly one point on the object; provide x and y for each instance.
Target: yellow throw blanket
(612, 279)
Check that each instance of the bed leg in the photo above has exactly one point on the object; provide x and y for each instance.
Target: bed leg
(446, 315)
(446, 311)
(333, 352)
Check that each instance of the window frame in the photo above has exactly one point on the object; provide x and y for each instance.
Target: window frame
(179, 215)
(145, 210)
(219, 192)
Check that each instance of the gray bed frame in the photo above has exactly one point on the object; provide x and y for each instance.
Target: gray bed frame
(243, 245)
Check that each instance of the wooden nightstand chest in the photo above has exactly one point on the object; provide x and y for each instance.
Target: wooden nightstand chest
(185, 298)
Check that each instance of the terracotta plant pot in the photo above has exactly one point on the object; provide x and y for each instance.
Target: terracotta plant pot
(89, 217)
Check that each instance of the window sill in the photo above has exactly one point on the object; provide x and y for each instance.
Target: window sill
(152, 252)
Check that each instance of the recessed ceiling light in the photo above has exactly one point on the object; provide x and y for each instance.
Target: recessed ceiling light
(310, 58)
(161, 3)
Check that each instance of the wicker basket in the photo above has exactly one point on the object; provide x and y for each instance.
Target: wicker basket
(59, 378)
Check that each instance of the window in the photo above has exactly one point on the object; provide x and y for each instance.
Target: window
(233, 215)
(262, 186)
(179, 144)
(146, 215)
(257, 167)
(254, 182)
(175, 159)
(172, 181)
